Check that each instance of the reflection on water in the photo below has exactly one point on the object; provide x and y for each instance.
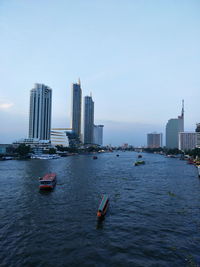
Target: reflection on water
(153, 217)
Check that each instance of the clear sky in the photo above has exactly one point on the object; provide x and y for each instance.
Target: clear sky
(138, 58)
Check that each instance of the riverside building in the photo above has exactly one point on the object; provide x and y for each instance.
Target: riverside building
(154, 140)
(173, 128)
(76, 108)
(187, 140)
(40, 112)
(198, 135)
(88, 120)
(98, 135)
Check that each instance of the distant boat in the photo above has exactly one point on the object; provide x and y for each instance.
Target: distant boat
(139, 156)
(140, 162)
(48, 181)
(117, 155)
(103, 207)
(95, 157)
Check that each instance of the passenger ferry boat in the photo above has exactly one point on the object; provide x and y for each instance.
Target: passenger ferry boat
(48, 181)
(103, 207)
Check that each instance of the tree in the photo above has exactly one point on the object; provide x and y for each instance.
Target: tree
(23, 150)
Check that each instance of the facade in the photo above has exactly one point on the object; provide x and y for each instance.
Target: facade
(173, 127)
(154, 140)
(198, 135)
(37, 146)
(40, 112)
(88, 120)
(59, 137)
(76, 108)
(98, 135)
(187, 140)
(6, 148)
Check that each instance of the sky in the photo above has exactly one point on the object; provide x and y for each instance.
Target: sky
(138, 58)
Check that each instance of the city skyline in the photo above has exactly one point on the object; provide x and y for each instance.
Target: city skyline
(139, 67)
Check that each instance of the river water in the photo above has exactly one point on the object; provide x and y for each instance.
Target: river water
(153, 218)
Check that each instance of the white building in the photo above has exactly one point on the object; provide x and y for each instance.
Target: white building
(187, 140)
(173, 128)
(40, 112)
(98, 135)
(88, 120)
(76, 108)
(154, 140)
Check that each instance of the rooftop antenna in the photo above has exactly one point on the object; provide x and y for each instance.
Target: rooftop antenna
(79, 82)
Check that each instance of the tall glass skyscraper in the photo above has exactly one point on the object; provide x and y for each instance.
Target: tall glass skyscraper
(40, 112)
(76, 108)
(88, 120)
(173, 128)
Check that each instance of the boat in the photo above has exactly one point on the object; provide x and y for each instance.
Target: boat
(139, 156)
(48, 181)
(117, 155)
(140, 162)
(95, 157)
(198, 168)
(103, 207)
(45, 156)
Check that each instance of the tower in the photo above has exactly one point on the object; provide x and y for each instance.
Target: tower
(173, 128)
(76, 108)
(88, 120)
(40, 112)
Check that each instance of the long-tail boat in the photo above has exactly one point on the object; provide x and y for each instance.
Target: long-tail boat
(103, 207)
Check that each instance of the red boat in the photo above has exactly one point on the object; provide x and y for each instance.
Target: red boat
(48, 181)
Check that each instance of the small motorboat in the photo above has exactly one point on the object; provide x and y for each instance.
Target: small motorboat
(117, 155)
(140, 162)
(139, 156)
(95, 157)
(103, 207)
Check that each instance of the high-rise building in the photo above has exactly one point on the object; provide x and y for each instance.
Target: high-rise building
(198, 135)
(98, 135)
(187, 140)
(40, 112)
(76, 108)
(154, 140)
(173, 128)
(88, 120)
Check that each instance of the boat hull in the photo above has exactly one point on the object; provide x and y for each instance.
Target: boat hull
(103, 207)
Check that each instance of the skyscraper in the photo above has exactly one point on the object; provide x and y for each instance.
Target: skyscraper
(76, 108)
(40, 112)
(88, 120)
(173, 127)
(154, 140)
(98, 135)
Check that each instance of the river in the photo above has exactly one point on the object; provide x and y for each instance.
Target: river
(153, 218)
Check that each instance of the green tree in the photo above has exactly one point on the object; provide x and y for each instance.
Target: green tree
(23, 150)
